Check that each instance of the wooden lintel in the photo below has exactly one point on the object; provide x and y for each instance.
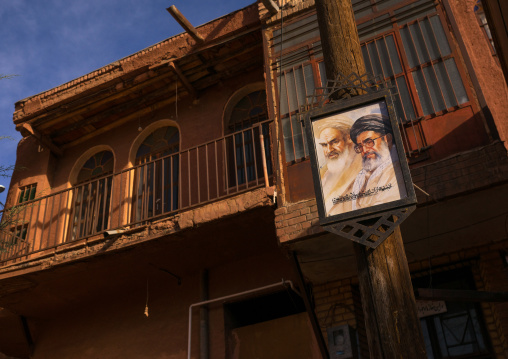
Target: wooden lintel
(185, 81)
(459, 295)
(271, 6)
(187, 26)
(43, 140)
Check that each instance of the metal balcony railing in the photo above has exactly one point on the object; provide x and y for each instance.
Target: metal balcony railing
(217, 169)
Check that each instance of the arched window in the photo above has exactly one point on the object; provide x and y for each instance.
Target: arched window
(98, 165)
(249, 110)
(156, 181)
(244, 151)
(161, 142)
(92, 196)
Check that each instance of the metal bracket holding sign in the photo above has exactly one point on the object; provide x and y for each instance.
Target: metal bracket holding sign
(370, 230)
(361, 177)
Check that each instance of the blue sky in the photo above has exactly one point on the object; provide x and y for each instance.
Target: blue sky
(47, 43)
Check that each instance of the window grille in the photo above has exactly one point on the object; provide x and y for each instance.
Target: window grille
(156, 183)
(299, 75)
(407, 48)
(19, 233)
(91, 198)
(15, 242)
(27, 193)
(433, 69)
(243, 147)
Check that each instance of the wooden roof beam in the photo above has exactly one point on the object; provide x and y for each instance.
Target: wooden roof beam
(187, 26)
(271, 6)
(43, 140)
(185, 81)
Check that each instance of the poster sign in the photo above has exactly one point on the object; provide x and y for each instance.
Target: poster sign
(358, 160)
(426, 308)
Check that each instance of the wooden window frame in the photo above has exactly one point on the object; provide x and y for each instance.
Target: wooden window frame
(27, 193)
(407, 71)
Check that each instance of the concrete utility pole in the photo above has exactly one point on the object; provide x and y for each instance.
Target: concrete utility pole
(389, 306)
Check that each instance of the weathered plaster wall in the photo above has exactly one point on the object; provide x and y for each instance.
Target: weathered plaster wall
(110, 323)
(33, 165)
(487, 69)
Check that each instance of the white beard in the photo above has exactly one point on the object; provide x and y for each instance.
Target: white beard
(370, 164)
(337, 165)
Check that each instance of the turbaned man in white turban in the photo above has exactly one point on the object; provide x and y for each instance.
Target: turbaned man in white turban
(342, 163)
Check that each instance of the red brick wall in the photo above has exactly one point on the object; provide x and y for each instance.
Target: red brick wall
(467, 171)
(338, 302)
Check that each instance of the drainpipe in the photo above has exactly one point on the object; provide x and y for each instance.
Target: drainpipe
(203, 317)
(284, 283)
(310, 310)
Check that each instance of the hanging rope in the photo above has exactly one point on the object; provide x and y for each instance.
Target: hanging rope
(176, 99)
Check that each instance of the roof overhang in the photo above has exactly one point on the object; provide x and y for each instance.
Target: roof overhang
(141, 83)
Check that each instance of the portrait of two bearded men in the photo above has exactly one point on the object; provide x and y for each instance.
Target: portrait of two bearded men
(358, 160)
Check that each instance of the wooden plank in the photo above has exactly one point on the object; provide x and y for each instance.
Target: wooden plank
(184, 80)
(187, 26)
(112, 111)
(271, 6)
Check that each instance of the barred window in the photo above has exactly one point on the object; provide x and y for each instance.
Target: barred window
(433, 69)
(19, 233)
(92, 196)
(243, 147)
(300, 73)
(27, 193)
(156, 184)
(407, 47)
(429, 65)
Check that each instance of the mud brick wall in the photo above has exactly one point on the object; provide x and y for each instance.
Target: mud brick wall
(297, 220)
(463, 172)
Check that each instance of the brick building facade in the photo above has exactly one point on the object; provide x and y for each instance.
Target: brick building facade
(167, 202)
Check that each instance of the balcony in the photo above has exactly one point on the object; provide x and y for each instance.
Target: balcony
(138, 196)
